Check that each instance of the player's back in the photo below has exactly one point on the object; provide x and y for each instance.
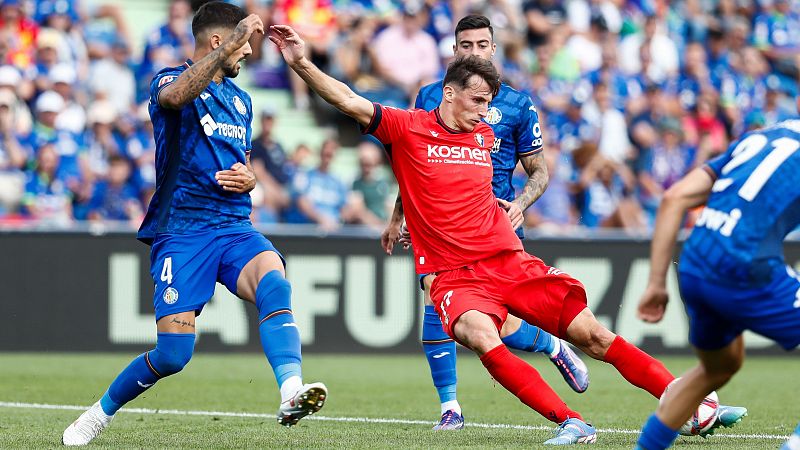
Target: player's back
(209, 134)
(754, 204)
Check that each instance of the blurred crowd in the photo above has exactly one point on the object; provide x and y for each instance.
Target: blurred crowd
(631, 95)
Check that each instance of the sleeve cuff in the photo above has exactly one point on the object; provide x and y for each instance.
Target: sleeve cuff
(377, 115)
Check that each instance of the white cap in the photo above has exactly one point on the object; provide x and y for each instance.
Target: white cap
(101, 111)
(9, 76)
(7, 97)
(49, 101)
(63, 73)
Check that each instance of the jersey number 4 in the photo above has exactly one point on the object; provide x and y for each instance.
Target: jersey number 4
(166, 270)
(782, 149)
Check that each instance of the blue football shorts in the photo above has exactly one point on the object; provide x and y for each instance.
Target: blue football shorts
(186, 267)
(719, 312)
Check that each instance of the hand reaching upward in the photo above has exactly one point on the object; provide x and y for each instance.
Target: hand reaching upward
(289, 43)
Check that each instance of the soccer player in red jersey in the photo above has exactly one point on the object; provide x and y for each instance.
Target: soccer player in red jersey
(462, 232)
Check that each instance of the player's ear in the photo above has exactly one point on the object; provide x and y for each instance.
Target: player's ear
(215, 40)
(494, 48)
(448, 93)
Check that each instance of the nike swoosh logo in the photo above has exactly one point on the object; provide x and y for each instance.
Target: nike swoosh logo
(143, 385)
(440, 355)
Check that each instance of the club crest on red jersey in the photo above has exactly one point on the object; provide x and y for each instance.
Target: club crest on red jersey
(479, 139)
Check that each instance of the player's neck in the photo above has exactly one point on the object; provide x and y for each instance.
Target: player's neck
(449, 119)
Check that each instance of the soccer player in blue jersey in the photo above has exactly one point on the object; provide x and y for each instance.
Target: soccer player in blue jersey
(732, 273)
(198, 223)
(518, 137)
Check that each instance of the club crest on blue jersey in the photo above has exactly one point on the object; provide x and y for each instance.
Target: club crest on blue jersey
(170, 295)
(479, 139)
(239, 105)
(493, 116)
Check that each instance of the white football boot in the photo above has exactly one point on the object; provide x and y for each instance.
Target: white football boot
(87, 427)
(309, 399)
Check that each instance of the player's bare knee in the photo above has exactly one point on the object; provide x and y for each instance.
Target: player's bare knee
(598, 341)
(427, 282)
(477, 331)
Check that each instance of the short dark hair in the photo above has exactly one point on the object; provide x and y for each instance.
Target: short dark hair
(216, 14)
(462, 69)
(474, 22)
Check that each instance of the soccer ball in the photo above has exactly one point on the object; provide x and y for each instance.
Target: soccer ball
(703, 418)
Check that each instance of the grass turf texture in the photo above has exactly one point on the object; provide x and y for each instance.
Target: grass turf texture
(388, 387)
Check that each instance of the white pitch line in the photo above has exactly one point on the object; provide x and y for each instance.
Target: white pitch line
(177, 412)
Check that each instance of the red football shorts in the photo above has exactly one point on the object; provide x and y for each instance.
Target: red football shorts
(514, 282)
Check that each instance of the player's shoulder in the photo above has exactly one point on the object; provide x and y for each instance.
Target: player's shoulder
(430, 89)
(509, 95)
(168, 75)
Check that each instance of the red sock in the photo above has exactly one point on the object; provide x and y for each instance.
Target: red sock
(639, 368)
(525, 382)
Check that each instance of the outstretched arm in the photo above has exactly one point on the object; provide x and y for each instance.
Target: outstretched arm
(196, 78)
(331, 90)
(693, 190)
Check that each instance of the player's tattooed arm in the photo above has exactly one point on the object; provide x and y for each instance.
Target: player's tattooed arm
(536, 168)
(194, 80)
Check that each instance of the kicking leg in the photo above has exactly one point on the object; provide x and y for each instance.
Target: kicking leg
(713, 372)
(478, 332)
(519, 334)
(440, 351)
(174, 348)
(262, 282)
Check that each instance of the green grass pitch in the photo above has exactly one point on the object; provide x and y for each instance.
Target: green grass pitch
(370, 386)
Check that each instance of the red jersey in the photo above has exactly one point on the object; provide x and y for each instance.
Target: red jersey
(445, 179)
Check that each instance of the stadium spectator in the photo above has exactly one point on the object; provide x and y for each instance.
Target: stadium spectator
(371, 199)
(704, 130)
(405, 55)
(11, 81)
(47, 198)
(168, 46)
(21, 31)
(112, 78)
(115, 197)
(600, 113)
(12, 157)
(777, 34)
(272, 169)
(73, 117)
(541, 18)
(654, 37)
(318, 196)
(315, 21)
(73, 165)
(554, 211)
(663, 165)
(101, 143)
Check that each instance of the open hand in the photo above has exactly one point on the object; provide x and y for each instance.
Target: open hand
(289, 43)
(389, 237)
(244, 29)
(652, 304)
(238, 179)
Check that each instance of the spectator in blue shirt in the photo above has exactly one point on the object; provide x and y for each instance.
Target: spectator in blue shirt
(318, 196)
(115, 198)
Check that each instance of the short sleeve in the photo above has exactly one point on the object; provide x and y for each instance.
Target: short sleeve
(388, 124)
(715, 165)
(529, 132)
(160, 81)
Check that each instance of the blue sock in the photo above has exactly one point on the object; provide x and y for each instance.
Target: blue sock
(530, 338)
(441, 353)
(655, 435)
(173, 351)
(279, 336)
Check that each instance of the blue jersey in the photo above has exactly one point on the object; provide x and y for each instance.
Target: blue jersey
(517, 132)
(753, 205)
(210, 134)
